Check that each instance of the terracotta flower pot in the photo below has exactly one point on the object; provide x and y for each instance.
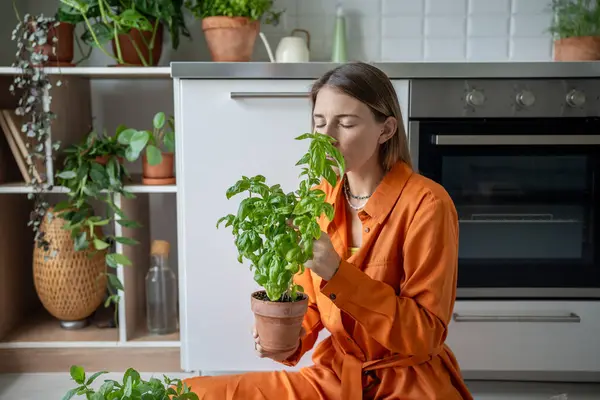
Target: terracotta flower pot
(160, 174)
(278, 324)
(128, 51)
(102, 160)
(230, 38)
(60, 54)
(584, 48)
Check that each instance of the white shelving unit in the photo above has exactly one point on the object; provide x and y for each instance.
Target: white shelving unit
(30, 339)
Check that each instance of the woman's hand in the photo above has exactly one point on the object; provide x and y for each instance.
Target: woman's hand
(326, 260)
(279, 357)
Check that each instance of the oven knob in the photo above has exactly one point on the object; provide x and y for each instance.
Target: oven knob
(575, 98)
(525, 98)
(475, 98)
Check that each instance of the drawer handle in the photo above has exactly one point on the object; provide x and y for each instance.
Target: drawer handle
(268, 95)
(572, 317)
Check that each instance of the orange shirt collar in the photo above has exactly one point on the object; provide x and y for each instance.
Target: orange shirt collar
(385, 196)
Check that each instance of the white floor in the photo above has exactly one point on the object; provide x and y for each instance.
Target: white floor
(54, 386)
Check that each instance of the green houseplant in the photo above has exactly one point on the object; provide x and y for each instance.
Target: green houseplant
(159, 146)
(94, 170)
(131, 387)
(576, 29)
(135, 27)
(231, 26)
(276, 249)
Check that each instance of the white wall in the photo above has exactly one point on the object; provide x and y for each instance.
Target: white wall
(430, 30)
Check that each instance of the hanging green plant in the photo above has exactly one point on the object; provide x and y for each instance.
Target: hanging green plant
(32, 84)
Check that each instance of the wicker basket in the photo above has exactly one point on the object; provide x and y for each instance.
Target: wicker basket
(71, 285)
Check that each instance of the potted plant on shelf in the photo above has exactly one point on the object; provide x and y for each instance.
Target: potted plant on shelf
(276, 249)
(132, 386)
(157, 163)
(231, 27)
(576, 28)
(94, 170)
(134, 28)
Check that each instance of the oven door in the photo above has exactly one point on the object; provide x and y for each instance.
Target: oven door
(526, 193)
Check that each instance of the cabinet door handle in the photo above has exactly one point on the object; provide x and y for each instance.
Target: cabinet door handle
(571, 317)
(268, 95)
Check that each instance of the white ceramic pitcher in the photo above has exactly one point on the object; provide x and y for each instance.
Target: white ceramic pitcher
(290, 48)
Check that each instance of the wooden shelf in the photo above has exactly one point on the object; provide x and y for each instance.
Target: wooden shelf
(135, 187)
(45, 331)
(141, 334)
(102, 72)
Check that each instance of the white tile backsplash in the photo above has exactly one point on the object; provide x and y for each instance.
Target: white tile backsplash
(415, 30)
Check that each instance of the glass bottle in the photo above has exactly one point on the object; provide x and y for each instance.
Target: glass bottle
(161, 292)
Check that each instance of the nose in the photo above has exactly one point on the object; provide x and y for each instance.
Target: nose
(328, 130)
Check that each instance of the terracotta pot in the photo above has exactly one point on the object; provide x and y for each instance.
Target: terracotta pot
(230, 38)
(160, 174)
(278, 324)
(584, 48)
(128, 51)
(62, 54)
(104, 159)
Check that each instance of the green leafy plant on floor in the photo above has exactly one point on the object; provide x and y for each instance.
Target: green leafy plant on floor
(93, 170)
(253, 9)
(575, 18)
(161, 137)
(132, 387)
(276, 249)
(105, 20)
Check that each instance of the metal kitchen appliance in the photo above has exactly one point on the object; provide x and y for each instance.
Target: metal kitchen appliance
(521, 160)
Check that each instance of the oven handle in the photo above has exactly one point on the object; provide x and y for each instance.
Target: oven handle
(571, 317)
(512, 140)
(269, 95)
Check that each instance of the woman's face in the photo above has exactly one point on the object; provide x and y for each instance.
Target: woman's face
(353, 125)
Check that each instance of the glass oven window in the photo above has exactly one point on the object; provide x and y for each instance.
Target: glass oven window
(526, 207)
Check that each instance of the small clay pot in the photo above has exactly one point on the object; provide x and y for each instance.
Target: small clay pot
(103, 160)
(278, 324)
(230, 38)
(60, 54)
(128, 51)
(583, 48)
(160, 174)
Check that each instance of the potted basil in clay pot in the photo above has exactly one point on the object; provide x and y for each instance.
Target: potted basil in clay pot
(278, 249)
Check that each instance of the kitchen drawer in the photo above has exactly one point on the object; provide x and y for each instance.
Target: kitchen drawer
(526, 335)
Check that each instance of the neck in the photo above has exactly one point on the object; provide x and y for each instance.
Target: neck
(364, 181)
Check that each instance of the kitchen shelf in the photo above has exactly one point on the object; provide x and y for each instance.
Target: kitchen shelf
(102, 72)
(43, 330)
(23, 188)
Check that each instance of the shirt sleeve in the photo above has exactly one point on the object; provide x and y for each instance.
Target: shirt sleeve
(312, 319)
(415, 320)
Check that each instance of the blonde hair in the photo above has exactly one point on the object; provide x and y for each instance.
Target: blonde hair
(372, 87)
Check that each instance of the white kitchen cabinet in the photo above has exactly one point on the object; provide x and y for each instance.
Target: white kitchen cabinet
(230, 128)
(528, 336)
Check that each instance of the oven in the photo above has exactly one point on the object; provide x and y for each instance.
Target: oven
(521, 161)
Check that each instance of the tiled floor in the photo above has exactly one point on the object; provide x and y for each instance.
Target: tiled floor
(54, 386)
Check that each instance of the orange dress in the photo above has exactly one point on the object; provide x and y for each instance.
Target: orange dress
(387, 307)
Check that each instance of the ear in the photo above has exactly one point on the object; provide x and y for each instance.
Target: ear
(388, 130)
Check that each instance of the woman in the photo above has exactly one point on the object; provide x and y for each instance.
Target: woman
(383, 277)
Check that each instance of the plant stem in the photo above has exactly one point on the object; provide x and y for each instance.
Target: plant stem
(118, 44)
(138, 51)
(16, 10)
(87, 23)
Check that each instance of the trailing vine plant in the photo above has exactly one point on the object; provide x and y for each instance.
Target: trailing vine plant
(32, 84)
